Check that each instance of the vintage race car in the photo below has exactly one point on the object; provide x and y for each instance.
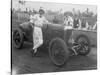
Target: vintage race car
(61, 42)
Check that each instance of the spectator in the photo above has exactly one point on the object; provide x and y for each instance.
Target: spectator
(55, 20)
(76, 23)
(95, 26)
(84, 24)
(90, 27)
(87, 26)
(68, 21)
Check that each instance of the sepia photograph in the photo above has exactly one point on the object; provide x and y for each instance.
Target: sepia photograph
(52, 37)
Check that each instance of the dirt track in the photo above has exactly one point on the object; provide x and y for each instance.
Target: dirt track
(25, 63)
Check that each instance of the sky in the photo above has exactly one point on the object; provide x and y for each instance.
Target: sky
(53, 6)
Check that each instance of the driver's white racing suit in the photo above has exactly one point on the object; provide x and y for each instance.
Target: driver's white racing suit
(37, 33)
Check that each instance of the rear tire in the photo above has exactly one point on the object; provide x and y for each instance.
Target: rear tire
(84, 41)
(58, 52)
(18, 38)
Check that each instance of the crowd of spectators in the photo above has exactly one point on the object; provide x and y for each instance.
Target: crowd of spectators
(79, 24)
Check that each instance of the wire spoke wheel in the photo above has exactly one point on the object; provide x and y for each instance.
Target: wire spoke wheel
(84, 43)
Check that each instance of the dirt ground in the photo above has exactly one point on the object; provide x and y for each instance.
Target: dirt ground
(24, 63)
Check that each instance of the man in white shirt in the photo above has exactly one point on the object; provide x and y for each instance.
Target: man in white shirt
(68, 22)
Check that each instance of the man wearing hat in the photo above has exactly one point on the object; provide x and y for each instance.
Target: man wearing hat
(68, 22)
(39, 20)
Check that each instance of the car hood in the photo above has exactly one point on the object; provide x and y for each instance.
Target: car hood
(56, 26)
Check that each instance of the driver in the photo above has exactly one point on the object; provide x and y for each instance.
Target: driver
(38, 21)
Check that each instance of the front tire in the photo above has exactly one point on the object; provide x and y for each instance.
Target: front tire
(58, 52)
(18, 38)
